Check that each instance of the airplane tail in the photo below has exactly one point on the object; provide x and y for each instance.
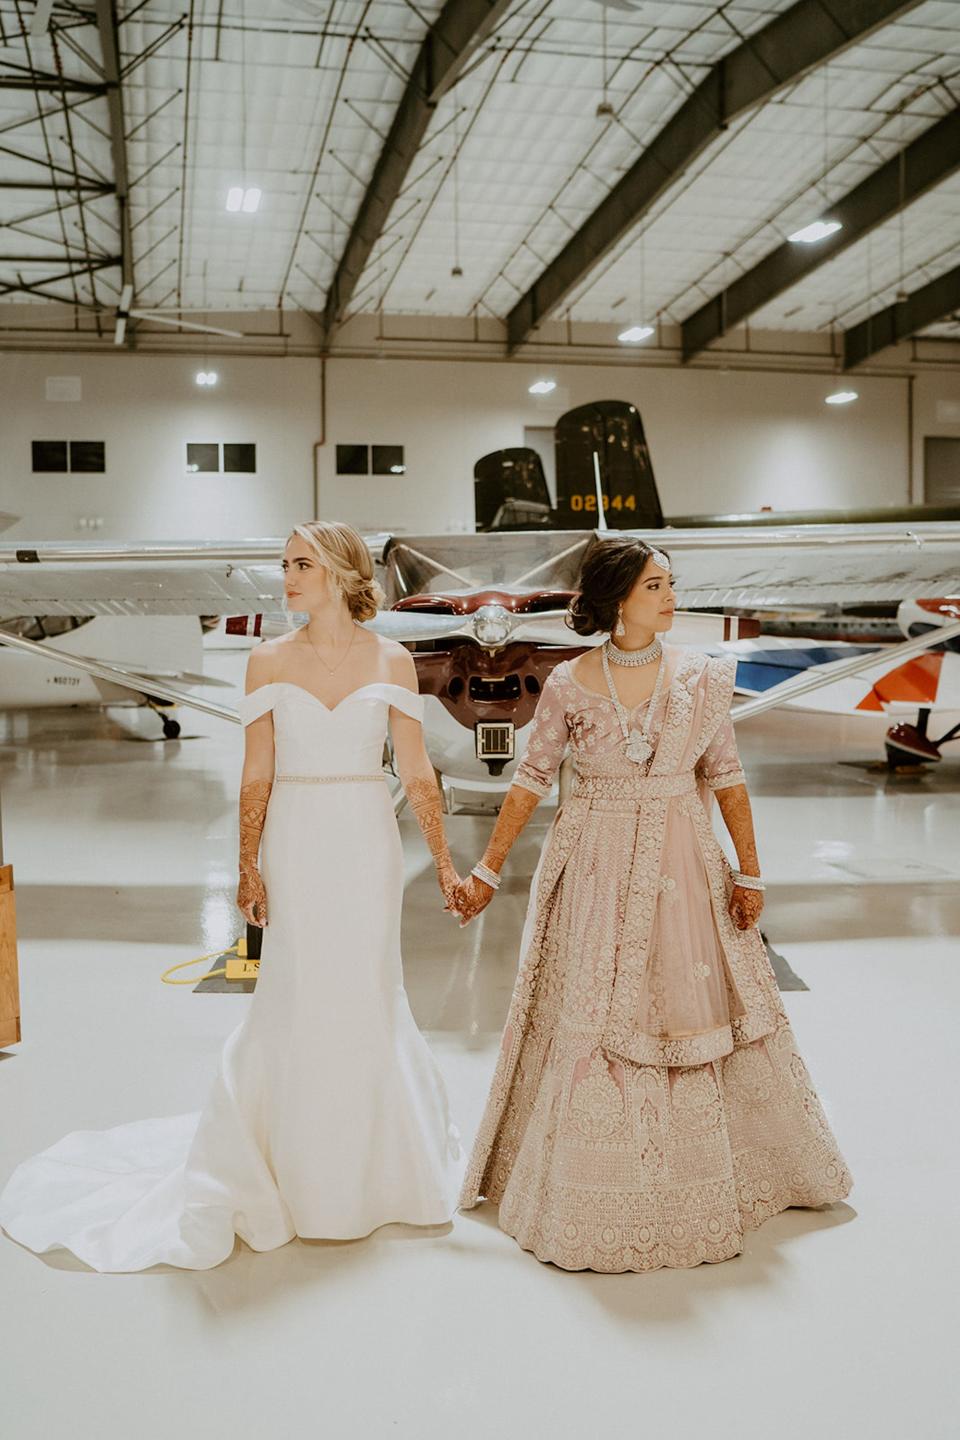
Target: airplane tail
(510, 491)
(605, 437)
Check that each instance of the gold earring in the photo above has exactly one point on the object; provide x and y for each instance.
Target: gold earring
(620, 628)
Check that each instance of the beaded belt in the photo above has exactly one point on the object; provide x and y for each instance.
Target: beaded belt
(634, 787)
(325, 779)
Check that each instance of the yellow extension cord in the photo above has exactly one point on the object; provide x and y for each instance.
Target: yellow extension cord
(239, 949)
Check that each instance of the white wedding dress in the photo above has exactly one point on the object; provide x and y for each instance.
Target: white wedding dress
(328, 1116)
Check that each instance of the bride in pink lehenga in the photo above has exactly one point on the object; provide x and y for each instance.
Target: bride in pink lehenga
(650, 1103)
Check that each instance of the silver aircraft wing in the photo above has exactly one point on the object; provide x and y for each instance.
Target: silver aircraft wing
(735, 566)
(810, 680)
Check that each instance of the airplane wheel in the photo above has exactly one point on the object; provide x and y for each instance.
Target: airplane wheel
(907, 745)
(171, 728)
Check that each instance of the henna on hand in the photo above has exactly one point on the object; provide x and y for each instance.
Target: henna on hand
(449, 884)
(745, 907)
(251, 895)
(473, 895)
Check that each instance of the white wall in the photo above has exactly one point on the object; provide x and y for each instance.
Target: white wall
(146, 408)
(720, 440)
(936, 411)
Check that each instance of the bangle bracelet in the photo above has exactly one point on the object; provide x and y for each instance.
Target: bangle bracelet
(748, 882)
(488, 876)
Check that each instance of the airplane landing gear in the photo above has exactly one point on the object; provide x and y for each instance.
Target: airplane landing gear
(171, 727)
(911, 745)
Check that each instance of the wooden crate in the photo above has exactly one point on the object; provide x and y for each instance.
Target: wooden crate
(9, 981)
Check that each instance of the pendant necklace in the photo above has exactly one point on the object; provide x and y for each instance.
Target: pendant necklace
(638, 745)
(330, 669)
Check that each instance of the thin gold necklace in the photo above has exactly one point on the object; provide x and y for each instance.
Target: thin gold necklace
(330, 669)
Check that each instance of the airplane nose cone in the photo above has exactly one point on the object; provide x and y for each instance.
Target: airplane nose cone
(492, 624)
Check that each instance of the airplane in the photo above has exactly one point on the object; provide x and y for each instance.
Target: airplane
(161, 648)
(484, 643)
(484, 613)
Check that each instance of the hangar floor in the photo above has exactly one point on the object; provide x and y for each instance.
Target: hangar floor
(829, 1323)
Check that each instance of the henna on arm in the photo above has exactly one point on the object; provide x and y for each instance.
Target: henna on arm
(515, 811)
(734, 803)
(474, 894)
(251, 896)
(425, 802)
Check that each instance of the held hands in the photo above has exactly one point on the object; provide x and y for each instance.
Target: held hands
(449, 881)
(473, 895)
(251, 896)
(745, 906)
(463, 898)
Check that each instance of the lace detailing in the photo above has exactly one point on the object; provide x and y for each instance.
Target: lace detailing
(723, 782)
(526, 782)
(596, 1105)
(547, 739)
(648, 1166)
(629, 789)
(611, 1139)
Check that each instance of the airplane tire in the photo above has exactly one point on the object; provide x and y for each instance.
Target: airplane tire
(171, 729)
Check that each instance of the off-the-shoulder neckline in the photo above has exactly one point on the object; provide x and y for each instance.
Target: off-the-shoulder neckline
(330, 709)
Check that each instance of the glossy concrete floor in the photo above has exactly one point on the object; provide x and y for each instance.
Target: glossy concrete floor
(829, 1324)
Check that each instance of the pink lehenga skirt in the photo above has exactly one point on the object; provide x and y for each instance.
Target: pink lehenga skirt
(598, 1162)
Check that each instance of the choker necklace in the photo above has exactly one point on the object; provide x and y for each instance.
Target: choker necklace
(634, 657)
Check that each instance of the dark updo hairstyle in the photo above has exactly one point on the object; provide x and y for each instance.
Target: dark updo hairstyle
(610, 570)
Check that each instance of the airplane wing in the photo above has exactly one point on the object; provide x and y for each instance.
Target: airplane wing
(734, 567)
(804, 683)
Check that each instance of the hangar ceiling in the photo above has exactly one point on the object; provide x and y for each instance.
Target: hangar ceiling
(605, 163)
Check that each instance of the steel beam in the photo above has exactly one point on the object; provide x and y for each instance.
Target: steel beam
(22, 287)
(803, 37)
(904, 318)
(932, 157)
(92, 187)
(41, 81)
(451, 40)
(110, 49)
(26, 259)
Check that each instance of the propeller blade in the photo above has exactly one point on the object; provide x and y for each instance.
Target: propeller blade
(547, 628)
(121, 330)
(126, 295)
(406, 625)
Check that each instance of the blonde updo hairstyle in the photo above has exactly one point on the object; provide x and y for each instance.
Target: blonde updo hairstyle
(344, 554)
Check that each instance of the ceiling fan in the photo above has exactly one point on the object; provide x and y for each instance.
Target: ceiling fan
(160, 317)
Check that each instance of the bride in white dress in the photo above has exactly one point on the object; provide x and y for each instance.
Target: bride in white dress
(328, 1116)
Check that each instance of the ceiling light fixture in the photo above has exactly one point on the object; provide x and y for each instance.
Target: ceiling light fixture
(542, 387)
(819, 230)
(207, 377)
(841, 397)
(635, 334)
(247, 200)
